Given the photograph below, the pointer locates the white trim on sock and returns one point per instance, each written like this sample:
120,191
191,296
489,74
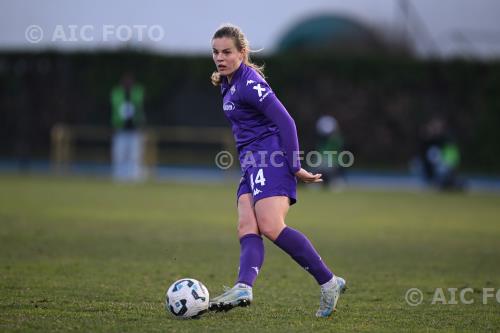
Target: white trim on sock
329,283
242,285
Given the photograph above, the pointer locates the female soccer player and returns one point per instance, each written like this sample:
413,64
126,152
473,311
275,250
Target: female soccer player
267,143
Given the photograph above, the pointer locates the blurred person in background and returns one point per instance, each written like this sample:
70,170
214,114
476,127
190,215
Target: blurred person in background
439,156
127,104
267,188
330,145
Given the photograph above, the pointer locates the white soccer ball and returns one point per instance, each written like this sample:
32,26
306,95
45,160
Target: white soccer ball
187,298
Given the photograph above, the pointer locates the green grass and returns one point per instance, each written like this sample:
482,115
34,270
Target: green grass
89,255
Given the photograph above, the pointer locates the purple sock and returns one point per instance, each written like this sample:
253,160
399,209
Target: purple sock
251,258
302,251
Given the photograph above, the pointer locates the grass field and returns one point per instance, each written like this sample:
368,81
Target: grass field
88,255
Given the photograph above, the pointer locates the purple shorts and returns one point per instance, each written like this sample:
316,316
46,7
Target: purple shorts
264,179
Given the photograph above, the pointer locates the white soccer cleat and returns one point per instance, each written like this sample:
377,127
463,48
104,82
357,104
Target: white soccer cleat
239,295
330,293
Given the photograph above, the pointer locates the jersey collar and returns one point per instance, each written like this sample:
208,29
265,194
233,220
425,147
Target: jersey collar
236,76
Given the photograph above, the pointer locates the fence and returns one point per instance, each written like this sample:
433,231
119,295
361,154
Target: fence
64,140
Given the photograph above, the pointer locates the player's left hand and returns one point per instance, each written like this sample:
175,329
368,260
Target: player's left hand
308,177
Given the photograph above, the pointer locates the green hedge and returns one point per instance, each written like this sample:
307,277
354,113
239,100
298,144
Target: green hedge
380,103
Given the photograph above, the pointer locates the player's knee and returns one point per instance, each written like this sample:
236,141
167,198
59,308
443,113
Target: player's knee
247,226
271,233
271,228
242,225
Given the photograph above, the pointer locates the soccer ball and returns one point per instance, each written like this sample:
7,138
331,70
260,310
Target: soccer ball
187,298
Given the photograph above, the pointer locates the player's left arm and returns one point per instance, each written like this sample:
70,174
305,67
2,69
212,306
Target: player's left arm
265,100
290,141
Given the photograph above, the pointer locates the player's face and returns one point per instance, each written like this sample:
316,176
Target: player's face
226,56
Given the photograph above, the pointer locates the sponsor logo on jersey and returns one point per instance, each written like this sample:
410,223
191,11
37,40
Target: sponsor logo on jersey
228,106
233,90
250,82
259,89
265,95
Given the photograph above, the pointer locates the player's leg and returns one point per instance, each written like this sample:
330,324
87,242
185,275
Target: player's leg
251,258
271,213
247,222
251,244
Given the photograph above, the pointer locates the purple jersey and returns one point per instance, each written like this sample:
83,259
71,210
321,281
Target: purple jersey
259,120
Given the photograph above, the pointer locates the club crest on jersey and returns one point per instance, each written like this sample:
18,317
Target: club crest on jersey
228,106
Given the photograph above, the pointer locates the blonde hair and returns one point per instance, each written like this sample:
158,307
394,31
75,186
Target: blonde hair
241,43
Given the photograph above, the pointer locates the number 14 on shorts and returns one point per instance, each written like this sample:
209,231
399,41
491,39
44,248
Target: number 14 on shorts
259,179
